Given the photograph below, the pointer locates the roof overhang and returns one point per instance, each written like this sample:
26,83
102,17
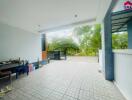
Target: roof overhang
120,20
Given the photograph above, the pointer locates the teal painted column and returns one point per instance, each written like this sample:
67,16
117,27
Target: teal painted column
108,68
107,55
129,29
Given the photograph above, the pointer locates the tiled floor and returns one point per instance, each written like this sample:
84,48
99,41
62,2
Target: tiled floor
75,79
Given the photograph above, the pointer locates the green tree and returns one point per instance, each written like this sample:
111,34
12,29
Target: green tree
120,40
64,44
79,32
96,38
89,38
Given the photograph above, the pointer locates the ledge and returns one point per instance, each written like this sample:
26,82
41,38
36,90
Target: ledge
125,51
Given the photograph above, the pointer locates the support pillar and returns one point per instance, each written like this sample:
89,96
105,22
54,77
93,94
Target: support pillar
107,55
44,47
129,28
108,68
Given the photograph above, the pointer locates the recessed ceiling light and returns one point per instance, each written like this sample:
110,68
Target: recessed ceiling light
75,15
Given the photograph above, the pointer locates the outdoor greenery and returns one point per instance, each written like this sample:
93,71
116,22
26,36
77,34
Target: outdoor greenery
89,38
64,44
120,41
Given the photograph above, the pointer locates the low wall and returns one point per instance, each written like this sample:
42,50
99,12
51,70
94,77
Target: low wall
123,71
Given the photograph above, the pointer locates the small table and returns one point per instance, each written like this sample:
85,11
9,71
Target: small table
9,66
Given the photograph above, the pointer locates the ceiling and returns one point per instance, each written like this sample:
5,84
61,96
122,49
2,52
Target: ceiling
42,15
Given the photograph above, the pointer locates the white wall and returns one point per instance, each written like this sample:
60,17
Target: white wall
15,42
123,72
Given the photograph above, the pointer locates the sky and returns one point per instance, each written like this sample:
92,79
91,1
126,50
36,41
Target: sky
61,34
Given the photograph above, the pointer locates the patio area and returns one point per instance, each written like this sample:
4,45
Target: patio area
77,78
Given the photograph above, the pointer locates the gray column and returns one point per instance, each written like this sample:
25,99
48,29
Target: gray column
43,42
129,27
108,68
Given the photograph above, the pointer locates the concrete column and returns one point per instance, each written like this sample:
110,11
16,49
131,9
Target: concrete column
107,55
43,42
129,28
108,68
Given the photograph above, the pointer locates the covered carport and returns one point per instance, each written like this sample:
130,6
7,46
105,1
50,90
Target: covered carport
22,22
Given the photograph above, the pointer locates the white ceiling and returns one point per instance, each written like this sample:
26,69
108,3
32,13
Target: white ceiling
41,15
